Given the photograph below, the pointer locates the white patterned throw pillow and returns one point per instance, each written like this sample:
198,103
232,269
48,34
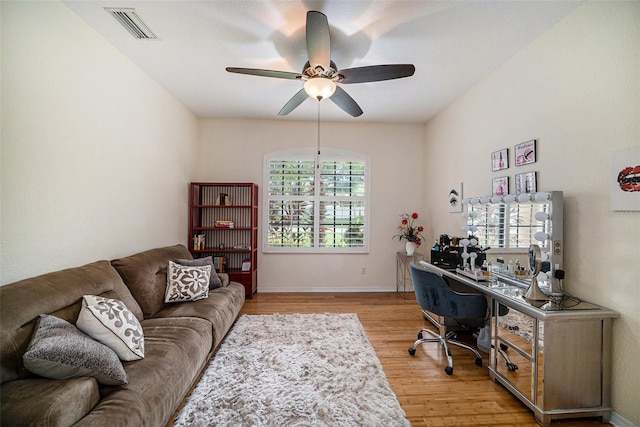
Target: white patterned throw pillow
110,322
187,283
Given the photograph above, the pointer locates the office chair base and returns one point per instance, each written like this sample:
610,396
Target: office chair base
450,338
502,350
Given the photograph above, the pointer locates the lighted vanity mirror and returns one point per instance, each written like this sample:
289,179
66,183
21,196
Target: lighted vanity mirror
515,222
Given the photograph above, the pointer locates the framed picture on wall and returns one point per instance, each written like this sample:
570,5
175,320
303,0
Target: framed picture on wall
525,153
526,182
500,186
500,160
455,197
625,187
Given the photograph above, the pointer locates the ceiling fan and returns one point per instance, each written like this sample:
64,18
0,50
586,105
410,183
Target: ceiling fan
320,74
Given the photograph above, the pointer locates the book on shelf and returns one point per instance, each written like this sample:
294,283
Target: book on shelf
198,242
223,224
220,264
223,199
241,247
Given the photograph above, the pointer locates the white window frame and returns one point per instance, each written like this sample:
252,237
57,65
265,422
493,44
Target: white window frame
326,155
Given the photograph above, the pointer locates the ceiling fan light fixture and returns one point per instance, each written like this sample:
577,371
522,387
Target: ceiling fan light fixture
319,87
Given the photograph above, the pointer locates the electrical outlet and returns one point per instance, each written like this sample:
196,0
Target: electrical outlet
364,270
557,247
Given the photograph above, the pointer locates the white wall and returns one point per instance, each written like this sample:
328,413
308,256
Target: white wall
96,157
232,150
577,91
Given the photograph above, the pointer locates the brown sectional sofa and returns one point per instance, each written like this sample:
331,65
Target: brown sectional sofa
179,340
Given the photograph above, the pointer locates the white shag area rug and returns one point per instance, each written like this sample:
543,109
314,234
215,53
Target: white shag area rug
294,370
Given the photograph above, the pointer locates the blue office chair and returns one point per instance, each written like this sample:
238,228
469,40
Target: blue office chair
434,296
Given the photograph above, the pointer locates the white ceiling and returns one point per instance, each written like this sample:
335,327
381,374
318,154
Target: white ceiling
453,45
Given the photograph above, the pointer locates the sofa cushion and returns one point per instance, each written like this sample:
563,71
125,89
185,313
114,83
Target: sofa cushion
44,402
221,309
59,350
187,283
145,274
214,280
110,322
177,349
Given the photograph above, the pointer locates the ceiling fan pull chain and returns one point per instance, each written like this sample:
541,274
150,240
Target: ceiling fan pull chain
318,161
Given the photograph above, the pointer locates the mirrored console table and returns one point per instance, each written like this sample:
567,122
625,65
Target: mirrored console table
562,369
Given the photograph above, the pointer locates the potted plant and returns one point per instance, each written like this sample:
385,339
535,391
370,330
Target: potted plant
410,232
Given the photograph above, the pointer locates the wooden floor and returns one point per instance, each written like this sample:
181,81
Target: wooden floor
427,394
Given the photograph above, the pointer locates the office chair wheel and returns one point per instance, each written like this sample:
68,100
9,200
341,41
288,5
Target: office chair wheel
449,370
412,351
479,361
420,335
512,366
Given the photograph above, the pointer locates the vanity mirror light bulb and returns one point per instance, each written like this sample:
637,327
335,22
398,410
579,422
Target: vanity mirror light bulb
473,255
466,228
496,199
524,197
466,201
541,236
542,216
475,201
509,198
486,199
465,255
464,242
473,242
541,197
473,229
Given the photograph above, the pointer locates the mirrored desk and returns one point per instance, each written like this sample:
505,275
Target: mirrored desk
563,368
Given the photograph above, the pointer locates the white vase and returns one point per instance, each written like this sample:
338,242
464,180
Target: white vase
411,248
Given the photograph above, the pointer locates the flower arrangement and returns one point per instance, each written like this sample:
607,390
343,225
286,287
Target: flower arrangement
410,231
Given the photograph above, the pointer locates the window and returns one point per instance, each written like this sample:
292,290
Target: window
315,203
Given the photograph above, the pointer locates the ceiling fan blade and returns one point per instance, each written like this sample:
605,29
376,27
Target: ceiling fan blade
265,73
318,39
346,102
294,102
376,73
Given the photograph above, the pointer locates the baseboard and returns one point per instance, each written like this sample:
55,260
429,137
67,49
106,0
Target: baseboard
619,421
327,289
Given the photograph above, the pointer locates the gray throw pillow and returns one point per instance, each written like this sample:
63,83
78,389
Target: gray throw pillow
214,280
58,350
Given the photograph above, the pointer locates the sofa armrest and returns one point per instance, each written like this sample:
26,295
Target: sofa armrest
224,278
48,402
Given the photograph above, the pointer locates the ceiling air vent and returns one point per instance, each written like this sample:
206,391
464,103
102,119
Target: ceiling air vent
132,22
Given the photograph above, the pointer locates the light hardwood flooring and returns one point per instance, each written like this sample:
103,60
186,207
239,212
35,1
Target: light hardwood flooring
427,394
